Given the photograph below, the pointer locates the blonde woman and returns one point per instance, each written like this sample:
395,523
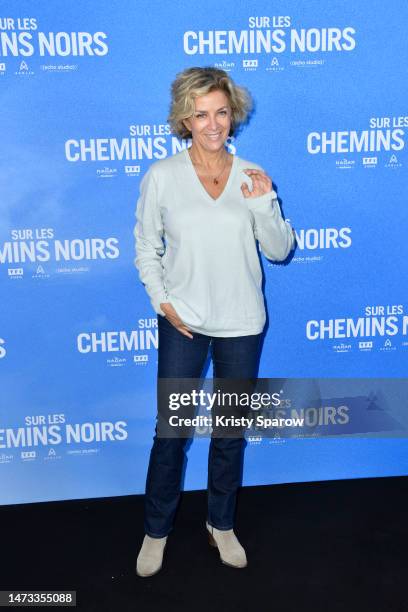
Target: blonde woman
199,217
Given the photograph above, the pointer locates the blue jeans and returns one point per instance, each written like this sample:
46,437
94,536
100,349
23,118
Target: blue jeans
183,357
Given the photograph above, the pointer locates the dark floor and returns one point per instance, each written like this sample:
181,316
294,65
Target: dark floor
332,546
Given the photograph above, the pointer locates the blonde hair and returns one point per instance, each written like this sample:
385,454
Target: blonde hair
199,81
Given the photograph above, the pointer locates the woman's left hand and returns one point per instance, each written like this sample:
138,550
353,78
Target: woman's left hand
261,183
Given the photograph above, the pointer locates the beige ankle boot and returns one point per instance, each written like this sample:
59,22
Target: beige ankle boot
231,551
150,558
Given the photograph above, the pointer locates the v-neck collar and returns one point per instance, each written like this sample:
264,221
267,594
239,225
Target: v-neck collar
201,186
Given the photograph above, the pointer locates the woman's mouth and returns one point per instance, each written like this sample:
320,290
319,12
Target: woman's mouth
214,136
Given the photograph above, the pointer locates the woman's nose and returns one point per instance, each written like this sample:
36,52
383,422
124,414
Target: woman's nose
212,122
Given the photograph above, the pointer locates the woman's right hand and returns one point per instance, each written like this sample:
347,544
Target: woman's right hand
173,318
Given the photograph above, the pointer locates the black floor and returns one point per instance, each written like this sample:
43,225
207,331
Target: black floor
332,546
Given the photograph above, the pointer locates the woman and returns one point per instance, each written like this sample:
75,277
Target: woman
196,231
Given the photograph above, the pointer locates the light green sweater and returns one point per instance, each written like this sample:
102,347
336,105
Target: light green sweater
208,265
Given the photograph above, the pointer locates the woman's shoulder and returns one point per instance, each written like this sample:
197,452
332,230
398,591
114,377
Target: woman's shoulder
167,165
245,163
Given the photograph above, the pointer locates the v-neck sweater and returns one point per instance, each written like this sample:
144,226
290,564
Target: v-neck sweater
200,253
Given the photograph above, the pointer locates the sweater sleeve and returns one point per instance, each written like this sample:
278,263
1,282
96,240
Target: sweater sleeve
149,246
274,234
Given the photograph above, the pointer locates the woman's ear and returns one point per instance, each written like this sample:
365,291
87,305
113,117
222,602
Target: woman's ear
186,123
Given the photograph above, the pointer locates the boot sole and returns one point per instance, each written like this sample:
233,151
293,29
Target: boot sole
148,575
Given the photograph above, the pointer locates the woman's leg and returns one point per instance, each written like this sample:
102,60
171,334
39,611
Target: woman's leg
179,357
233,358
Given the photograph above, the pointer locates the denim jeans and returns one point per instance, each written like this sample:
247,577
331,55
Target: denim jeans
183,357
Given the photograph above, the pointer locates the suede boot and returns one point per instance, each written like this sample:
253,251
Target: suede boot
150,558
231,551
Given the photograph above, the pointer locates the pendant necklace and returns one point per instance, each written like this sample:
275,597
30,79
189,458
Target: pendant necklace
215,178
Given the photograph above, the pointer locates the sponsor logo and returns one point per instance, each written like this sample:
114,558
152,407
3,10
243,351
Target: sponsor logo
341,348
52,455
250,64
254,439
388,346
116,361
23,70
304,260
4,458
370,162
28,455
345,164
276,439
274,66
58,67
132,170
306,63
106,172
83,451
224,65
15,272
71,270
40,272
365,346
393,162
140,359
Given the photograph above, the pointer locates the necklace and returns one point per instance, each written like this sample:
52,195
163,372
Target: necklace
215,178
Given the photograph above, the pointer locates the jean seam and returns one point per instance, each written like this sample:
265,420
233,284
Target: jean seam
151,535
220,528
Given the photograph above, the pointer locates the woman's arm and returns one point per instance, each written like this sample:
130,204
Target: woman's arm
276,236
148,233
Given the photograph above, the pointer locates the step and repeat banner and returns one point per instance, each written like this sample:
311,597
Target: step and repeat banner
85,94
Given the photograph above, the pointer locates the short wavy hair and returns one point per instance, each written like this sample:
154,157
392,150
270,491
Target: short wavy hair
199,81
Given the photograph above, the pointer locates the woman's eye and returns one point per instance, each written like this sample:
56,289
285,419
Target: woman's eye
223,112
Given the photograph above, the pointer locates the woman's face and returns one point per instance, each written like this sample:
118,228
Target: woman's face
211,121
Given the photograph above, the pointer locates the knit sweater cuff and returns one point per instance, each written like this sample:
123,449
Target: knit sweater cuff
263,201
158,299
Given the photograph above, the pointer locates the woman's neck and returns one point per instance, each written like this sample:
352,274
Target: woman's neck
209,160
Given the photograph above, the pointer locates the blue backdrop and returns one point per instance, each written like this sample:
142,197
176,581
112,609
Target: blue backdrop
85,98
